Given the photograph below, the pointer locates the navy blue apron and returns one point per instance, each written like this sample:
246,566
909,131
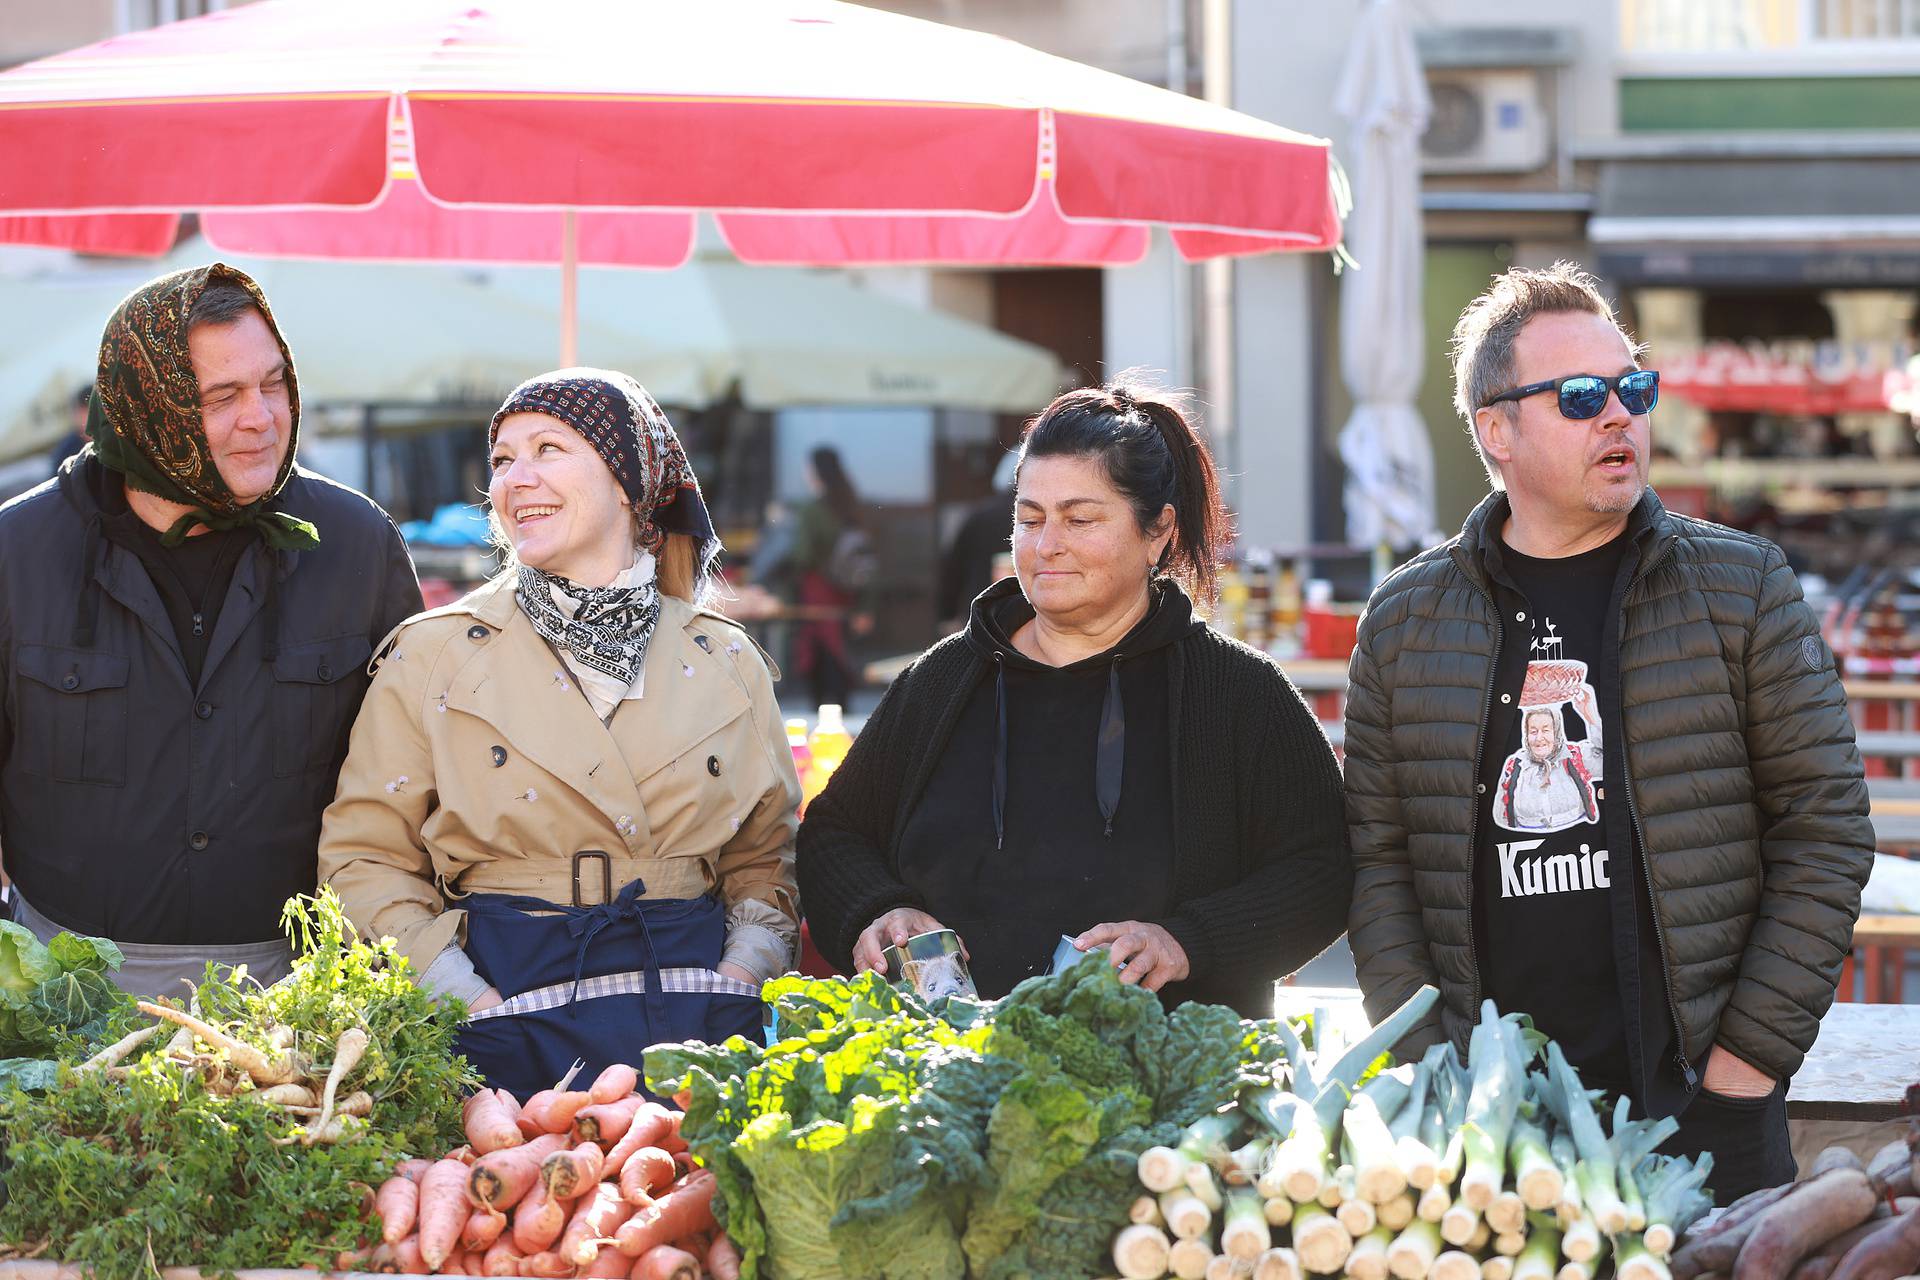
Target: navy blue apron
596,983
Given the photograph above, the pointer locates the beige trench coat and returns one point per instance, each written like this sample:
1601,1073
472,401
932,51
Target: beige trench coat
477,764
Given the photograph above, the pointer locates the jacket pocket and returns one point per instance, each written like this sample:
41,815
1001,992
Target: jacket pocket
73,714
315,696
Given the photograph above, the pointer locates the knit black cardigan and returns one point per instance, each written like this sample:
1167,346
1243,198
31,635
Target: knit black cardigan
1261,877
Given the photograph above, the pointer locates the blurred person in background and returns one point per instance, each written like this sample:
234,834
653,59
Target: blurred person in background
835,568
1088,758
978,544
76,438
569,797
187,617
1679,928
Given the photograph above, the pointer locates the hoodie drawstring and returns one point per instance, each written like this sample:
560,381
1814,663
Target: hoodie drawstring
1110,750
1000,752
87,611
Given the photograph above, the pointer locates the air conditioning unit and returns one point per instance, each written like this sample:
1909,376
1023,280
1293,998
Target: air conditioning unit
1485,121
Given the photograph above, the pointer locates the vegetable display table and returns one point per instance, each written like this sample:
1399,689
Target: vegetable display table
1860,1066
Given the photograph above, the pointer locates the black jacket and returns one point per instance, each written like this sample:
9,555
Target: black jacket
1261,876
134,805
1742,781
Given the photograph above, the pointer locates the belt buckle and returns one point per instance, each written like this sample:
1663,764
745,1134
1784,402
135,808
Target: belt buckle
606,876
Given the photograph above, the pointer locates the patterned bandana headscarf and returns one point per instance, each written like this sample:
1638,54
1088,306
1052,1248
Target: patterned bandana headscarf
145,420
612,625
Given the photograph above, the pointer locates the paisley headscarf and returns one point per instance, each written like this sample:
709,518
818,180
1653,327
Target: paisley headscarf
608,628
145,420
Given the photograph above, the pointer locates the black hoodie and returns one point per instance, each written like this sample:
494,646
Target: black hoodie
1051,809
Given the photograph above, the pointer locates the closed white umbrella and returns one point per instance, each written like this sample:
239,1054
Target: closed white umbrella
1388,454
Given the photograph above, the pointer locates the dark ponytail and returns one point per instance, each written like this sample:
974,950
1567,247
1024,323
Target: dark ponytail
1153,456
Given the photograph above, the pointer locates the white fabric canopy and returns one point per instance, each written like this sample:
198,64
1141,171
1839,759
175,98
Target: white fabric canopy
419,334
1388,454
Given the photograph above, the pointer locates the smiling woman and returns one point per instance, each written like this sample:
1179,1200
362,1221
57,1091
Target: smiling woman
1088,759
578,745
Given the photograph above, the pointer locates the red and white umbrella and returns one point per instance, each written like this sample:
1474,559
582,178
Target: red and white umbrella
595,131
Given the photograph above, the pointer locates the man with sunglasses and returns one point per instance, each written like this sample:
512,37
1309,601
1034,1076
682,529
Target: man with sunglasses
1680,930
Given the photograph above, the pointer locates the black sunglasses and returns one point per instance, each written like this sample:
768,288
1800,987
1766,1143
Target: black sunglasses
1584,395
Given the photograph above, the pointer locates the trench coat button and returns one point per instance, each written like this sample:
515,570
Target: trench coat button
476,632
499,756
325,672
70,681
713,765
199,840
204,710
706,645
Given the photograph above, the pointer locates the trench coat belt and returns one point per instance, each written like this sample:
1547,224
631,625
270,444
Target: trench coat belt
589,878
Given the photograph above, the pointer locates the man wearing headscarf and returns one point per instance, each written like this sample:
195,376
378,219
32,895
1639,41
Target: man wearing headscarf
186,617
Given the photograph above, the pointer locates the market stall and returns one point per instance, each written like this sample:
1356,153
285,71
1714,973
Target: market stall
1074,1128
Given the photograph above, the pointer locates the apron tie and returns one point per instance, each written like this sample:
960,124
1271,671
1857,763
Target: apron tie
585,923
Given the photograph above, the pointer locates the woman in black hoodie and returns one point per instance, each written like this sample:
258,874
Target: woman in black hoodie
1088,759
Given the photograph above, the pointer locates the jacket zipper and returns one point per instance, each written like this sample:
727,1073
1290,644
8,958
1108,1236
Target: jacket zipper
1479,750
1687,1072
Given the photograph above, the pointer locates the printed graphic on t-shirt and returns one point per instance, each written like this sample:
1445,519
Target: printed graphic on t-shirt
1551,781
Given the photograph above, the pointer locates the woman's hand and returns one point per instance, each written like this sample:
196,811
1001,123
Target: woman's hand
1143,953
488,999
892,929
728,969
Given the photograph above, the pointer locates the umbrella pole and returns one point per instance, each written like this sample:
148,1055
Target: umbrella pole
569,290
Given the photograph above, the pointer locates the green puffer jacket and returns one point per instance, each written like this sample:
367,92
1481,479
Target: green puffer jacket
1744,783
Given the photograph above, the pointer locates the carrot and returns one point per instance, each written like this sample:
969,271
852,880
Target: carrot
723,1258
463,1153
353,1260
594,1221
112,1055
397,1202
483,1228
615,1083
488,1124
677,1214
549,1266
412,1170
501,1178
572,1173
553,1110
443,1210
502,1259
608,1264
648,1170
606,1122
408,1258
664,1262
538,1222
651,1123
460,1263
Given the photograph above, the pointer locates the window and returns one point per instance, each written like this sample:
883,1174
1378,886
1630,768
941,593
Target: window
138,15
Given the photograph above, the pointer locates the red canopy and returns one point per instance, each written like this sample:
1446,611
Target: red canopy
815,131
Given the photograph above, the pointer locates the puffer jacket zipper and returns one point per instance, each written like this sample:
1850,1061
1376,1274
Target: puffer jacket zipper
1479,750
1687,1072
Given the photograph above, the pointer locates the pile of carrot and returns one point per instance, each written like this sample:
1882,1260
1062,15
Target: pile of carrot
589,1183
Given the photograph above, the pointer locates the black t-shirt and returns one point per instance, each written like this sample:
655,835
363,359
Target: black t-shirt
1551,878
1058,871
191,578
